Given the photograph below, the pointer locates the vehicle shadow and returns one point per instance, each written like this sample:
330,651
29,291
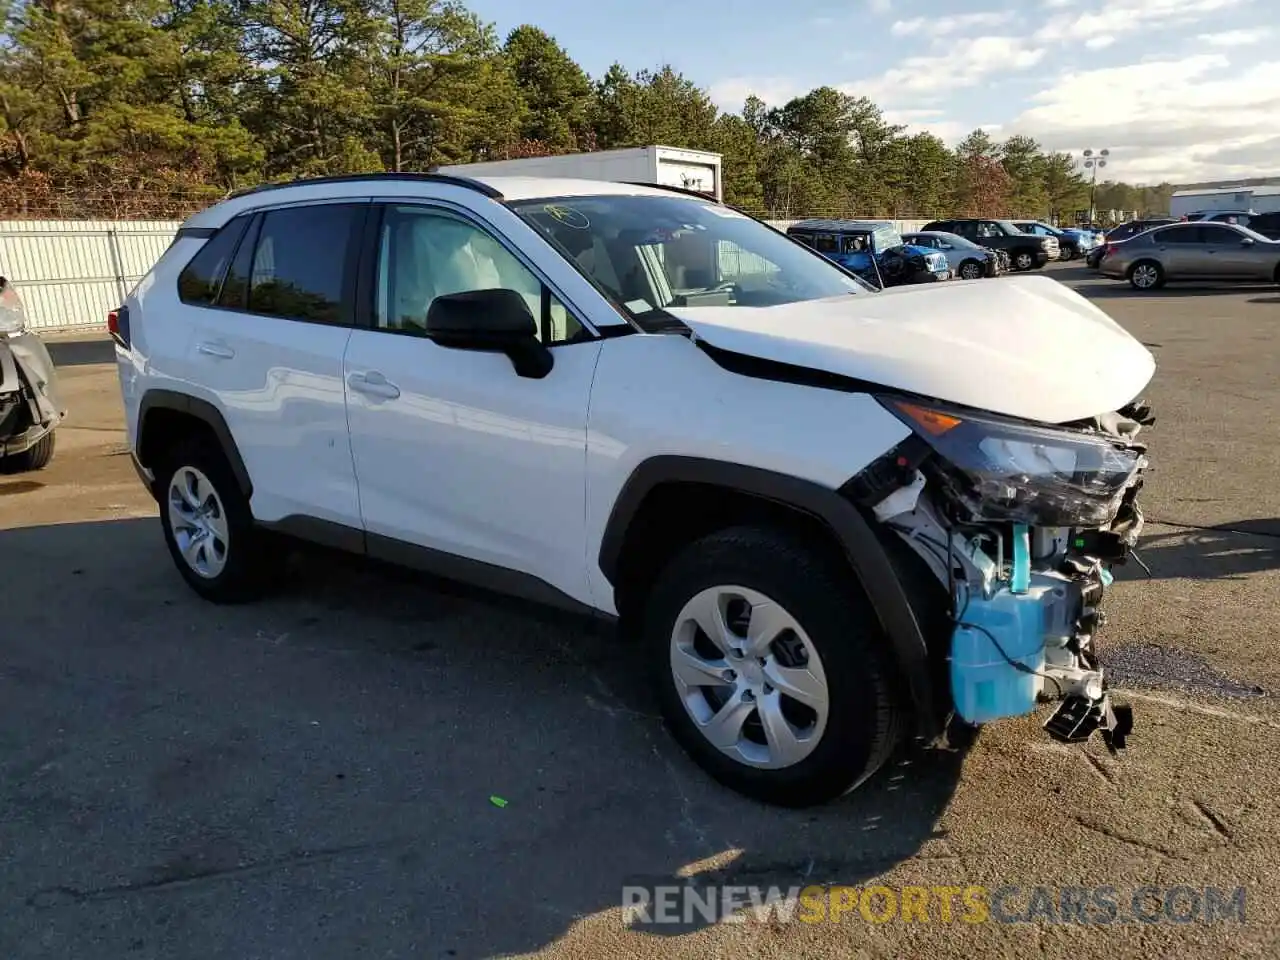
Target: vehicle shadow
1222,552
78,353
368,763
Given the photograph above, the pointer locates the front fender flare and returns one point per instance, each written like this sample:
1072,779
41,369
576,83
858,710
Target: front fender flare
866,555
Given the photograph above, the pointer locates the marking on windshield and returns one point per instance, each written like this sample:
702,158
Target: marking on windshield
570,217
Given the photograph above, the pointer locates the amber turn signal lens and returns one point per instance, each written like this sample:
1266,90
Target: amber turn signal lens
930,421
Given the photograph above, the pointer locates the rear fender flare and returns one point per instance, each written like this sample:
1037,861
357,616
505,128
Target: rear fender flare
866,555
203,411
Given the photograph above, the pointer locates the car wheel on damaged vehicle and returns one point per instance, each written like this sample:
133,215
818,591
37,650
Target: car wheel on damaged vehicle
769,668
35,457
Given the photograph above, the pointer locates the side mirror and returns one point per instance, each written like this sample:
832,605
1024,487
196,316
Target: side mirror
497,321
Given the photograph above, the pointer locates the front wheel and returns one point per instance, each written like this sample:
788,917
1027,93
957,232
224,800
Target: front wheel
1023,261
769,667
970,270
1146,275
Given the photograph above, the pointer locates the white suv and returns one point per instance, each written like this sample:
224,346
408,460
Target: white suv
839,519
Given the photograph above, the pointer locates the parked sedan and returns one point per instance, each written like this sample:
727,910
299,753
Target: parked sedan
967,260
1193,251
1121,233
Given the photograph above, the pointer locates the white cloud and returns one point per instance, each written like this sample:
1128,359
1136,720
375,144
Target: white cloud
1236,38
968,62
941,26
929,121
1187,119
730,94
1119,17
880,6
1100,41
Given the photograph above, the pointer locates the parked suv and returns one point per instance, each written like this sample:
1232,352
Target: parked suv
836,518
1026,251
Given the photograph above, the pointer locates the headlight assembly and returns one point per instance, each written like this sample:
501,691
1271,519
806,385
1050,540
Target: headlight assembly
1014,472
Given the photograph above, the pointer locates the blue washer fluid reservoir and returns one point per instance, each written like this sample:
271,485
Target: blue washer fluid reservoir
984,685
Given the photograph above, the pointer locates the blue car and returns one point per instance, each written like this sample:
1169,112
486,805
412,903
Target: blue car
968,260
873,250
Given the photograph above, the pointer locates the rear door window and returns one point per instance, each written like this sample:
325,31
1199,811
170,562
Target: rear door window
1180,235
1212,233
301,262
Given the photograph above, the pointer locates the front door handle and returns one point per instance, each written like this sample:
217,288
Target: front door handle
219,350
373,384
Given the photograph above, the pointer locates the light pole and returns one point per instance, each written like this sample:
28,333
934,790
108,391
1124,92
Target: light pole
1092,162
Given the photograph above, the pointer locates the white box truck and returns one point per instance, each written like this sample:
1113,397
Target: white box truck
668,166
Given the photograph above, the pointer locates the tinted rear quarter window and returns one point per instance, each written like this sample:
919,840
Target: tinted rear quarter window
202,278
1177,235
299,262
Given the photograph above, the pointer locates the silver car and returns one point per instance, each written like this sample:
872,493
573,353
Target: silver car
1193,251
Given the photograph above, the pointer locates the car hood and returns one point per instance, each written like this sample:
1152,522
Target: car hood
1026,347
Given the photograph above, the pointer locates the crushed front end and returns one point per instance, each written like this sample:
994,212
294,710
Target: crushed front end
1022,524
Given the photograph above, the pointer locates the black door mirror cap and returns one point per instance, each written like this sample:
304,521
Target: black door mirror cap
496,320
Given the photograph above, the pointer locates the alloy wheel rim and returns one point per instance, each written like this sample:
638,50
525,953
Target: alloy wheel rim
199,522
1023,261
1144,276
969,271
749,677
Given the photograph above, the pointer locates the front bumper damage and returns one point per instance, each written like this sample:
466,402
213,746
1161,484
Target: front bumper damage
1027,602
30,402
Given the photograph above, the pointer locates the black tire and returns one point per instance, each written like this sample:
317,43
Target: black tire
1023,261
1136,277
969,270
35,457
250,557
863,719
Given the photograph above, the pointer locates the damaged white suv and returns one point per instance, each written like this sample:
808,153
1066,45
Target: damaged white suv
837,518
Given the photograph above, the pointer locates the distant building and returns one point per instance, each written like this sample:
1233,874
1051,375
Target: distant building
1255,199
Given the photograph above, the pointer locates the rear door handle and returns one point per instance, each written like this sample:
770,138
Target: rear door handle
373,384
219,350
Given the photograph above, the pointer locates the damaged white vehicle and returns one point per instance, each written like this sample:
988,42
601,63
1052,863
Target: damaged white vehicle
839,520
30,405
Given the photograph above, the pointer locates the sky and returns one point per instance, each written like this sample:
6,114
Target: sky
1175,90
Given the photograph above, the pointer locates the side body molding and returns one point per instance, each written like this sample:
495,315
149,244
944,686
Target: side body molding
867,556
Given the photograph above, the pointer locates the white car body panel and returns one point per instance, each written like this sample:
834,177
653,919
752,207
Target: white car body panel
638,412
1027,347
472,459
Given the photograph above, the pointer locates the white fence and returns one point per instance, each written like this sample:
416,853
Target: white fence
72,273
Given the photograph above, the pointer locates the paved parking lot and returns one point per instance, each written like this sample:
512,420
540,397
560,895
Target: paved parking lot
310,777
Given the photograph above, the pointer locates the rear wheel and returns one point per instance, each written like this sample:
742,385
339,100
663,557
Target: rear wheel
769,667
970,270
1146,275
35,457
208,526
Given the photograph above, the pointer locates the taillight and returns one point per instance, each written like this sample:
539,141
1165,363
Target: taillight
118,325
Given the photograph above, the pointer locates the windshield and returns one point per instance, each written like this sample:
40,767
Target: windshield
648,253
887,238
1012,228
957,241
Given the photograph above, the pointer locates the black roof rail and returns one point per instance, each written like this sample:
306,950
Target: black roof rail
466,182
685,190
